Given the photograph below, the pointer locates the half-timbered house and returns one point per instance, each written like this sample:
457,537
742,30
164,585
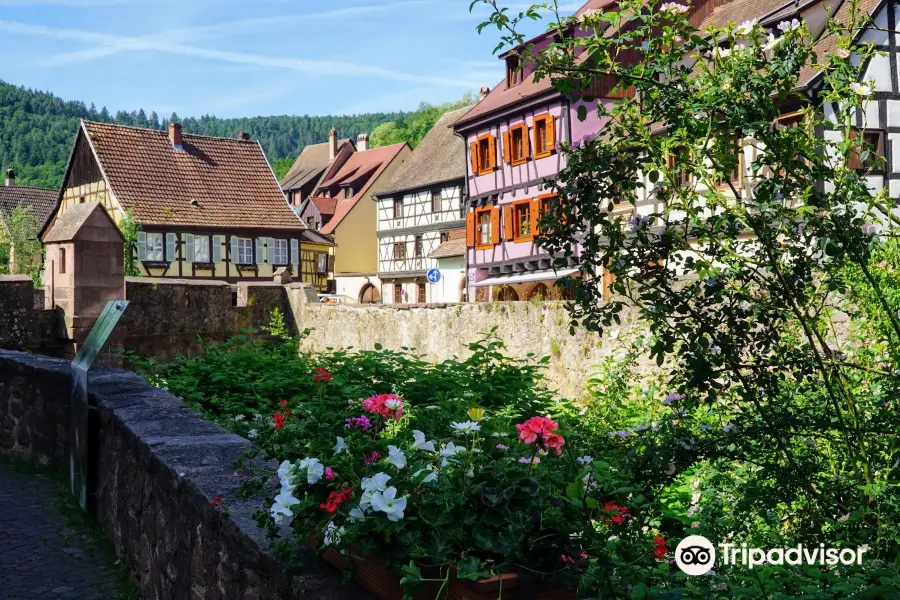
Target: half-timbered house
206,208
314,163
419,209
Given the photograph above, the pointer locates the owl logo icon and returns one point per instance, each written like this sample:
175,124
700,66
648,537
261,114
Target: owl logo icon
695,555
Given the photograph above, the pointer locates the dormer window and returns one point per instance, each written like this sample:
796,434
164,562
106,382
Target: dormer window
514,71
349,192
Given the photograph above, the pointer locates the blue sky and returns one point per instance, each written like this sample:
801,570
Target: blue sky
234,58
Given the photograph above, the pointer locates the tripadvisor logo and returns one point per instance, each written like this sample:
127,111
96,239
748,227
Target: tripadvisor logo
696,555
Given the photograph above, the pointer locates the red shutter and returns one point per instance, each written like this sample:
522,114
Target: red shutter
509,215
470,229
495,225
473,153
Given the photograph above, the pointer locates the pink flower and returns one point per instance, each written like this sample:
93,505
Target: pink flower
501,447
539,431
555,442
526,436
385,405
329,473
567,559
371,458
525,460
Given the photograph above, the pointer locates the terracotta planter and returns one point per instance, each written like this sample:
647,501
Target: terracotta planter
374,577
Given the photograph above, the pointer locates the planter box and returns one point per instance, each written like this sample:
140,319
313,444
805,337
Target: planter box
374,577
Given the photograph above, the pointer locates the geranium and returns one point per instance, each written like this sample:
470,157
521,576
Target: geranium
420,442
396,457
321,375
361,422
329,473
540,431
370,458
216,501
555,442
388,503
336,498
661,550
617,514
385,405
279,420
466,427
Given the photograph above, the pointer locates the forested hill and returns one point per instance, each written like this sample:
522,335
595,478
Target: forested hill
37,130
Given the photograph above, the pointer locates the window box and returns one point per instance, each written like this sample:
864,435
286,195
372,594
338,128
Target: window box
155,264
207,266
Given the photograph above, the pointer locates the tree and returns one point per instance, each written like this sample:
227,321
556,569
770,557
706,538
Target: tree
22,251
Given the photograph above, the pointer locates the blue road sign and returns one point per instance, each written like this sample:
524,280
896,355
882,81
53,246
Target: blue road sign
434,275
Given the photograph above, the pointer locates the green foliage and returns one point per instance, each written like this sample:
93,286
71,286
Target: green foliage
414,126
281,166
129,229
37,130
18,239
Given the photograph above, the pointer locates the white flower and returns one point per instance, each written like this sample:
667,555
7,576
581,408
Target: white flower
450,450
239,418
356,514
844,518
428,478
746,27
388,503
722,52
588,14
394,403
588,482
789,25
862,89
258,417
339,445
584,460
281,509
314,470
466,427
376,483
332,534
771,42
420,443
842,53
287,476
674,7
396,457
715,350
252,433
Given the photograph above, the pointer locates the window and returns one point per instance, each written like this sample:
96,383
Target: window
873,143
483,227
62,260
516,140
321,263
310,222
279,252
201,249
436,201
679,159
244,251
418,247
399,250
398,294
445,236
154,247
514,71
545,204
484,154
522,220
398,208
349,192
420,299
736,176
544,136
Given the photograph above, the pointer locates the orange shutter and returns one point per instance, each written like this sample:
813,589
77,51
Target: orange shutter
506,158
473,152
551,134
495,225
470,229
492,161
526,142
535,215
509,215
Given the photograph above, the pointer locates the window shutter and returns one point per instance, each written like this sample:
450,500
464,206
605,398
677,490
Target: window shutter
189,247
260,250
551,134
217,248
535,215
509,215
473,153
526,142
142,245
331,263
495,225
235,257
170,247
295,252
470,229
492,160
506,141
270,259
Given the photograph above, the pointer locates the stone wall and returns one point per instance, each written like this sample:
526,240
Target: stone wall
21,325
159,466
439,332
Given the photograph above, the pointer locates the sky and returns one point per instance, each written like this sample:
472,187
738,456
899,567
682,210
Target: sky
244,58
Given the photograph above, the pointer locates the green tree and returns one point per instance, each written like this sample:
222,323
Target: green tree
20,250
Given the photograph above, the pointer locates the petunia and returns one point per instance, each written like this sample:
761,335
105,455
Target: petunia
332,534
356,514
314,470
420,442
432,476
252,433
287,476
396,457
375,483
281,509
449,451
340,445
584,460
388,503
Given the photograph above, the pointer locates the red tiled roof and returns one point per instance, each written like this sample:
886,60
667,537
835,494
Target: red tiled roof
230,179
373,161
454,247
41,201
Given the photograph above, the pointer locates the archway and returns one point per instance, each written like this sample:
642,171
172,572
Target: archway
540,292
507,294
369,295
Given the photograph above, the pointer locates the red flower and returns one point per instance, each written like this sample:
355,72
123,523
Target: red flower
336,498
660,551
567,559
279,420
617,513
539,430
216,501
321,375
386,405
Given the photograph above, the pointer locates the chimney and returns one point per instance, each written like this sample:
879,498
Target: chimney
175,135
332,143
483,93
10,177
243,136
362,142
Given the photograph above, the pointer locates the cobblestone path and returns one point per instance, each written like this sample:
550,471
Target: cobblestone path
41,557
